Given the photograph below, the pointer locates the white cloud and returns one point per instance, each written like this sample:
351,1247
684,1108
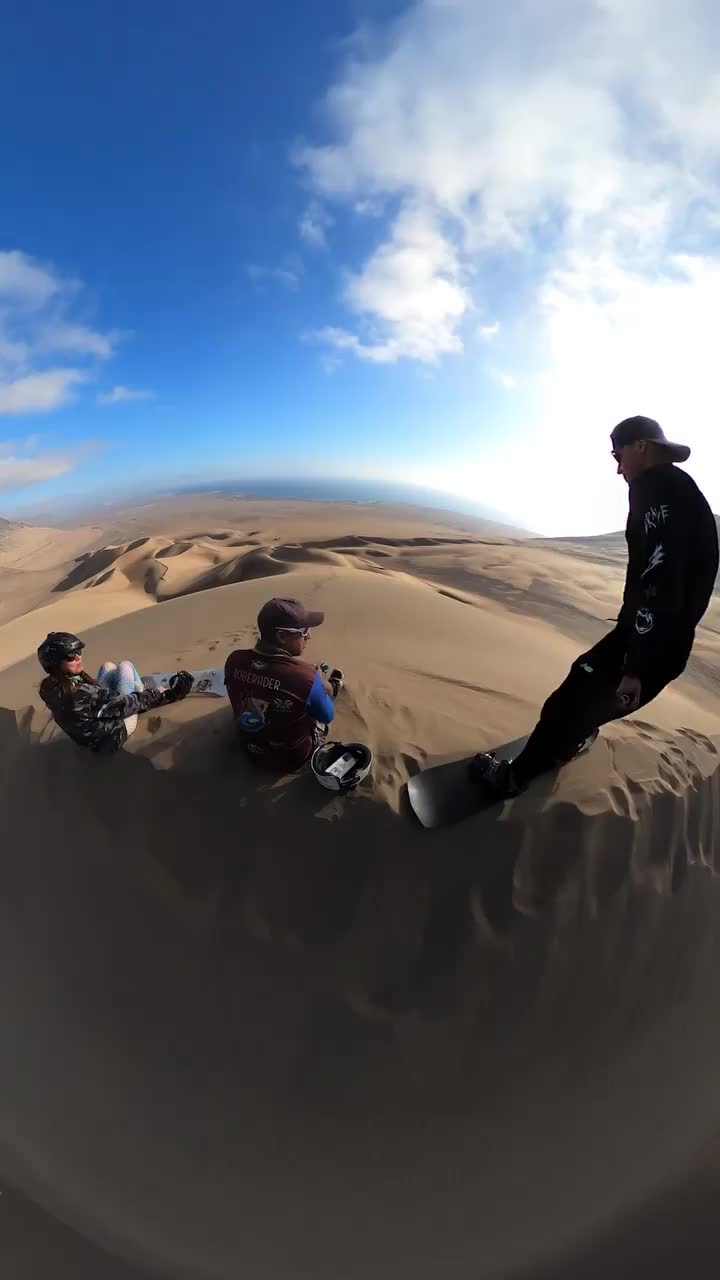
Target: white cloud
22,465
575,146
378,353
43,318
368,208
411,294
13,354
39,392
486,332
76,339
506,380
287,276
314,224
24,280
122,395
38,321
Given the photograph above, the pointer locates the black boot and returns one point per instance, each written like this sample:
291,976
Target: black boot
495,776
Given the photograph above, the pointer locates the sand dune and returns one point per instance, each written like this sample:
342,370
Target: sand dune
36,549
265,518
154,548
31,561
291,1033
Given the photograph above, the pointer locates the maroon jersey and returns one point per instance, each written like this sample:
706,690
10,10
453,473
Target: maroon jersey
277,701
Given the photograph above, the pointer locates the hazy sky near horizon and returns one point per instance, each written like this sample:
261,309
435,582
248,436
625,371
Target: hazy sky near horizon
449,243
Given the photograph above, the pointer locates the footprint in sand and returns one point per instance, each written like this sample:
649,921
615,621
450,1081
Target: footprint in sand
646,732
413,763
699,740
620,800
667,773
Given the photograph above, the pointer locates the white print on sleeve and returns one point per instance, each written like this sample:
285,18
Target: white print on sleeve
644,621
656,559
656,516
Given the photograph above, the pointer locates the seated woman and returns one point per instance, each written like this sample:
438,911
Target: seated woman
94,712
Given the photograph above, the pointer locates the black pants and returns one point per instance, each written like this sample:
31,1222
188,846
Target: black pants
586,699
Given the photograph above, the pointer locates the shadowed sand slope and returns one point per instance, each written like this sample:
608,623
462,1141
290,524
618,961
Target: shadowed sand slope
256,1028
275,1023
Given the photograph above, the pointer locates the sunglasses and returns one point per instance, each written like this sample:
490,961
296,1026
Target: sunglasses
297,631
617,453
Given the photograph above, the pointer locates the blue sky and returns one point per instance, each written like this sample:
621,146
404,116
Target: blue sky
441,243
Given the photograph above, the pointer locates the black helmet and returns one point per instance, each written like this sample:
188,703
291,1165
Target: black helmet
56,646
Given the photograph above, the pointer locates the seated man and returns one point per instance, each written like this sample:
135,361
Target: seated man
281,704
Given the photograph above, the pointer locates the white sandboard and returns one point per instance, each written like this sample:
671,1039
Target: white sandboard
211,681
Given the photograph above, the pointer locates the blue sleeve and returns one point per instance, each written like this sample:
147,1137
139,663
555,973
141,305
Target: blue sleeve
319,704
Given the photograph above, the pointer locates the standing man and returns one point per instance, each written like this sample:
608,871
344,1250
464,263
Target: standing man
672,566
281,704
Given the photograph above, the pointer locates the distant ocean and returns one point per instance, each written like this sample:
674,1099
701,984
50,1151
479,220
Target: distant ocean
354,491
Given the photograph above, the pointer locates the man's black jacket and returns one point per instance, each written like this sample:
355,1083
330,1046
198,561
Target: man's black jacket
672,567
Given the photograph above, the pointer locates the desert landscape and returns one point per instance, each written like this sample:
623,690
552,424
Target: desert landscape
273,1021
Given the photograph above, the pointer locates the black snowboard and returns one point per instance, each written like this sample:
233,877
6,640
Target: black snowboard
445,794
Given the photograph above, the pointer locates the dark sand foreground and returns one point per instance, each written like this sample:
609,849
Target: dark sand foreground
255,1030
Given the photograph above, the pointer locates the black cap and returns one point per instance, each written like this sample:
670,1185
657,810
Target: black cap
639,428
280,614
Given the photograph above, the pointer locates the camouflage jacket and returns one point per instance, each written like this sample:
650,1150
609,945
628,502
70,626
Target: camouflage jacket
93,716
